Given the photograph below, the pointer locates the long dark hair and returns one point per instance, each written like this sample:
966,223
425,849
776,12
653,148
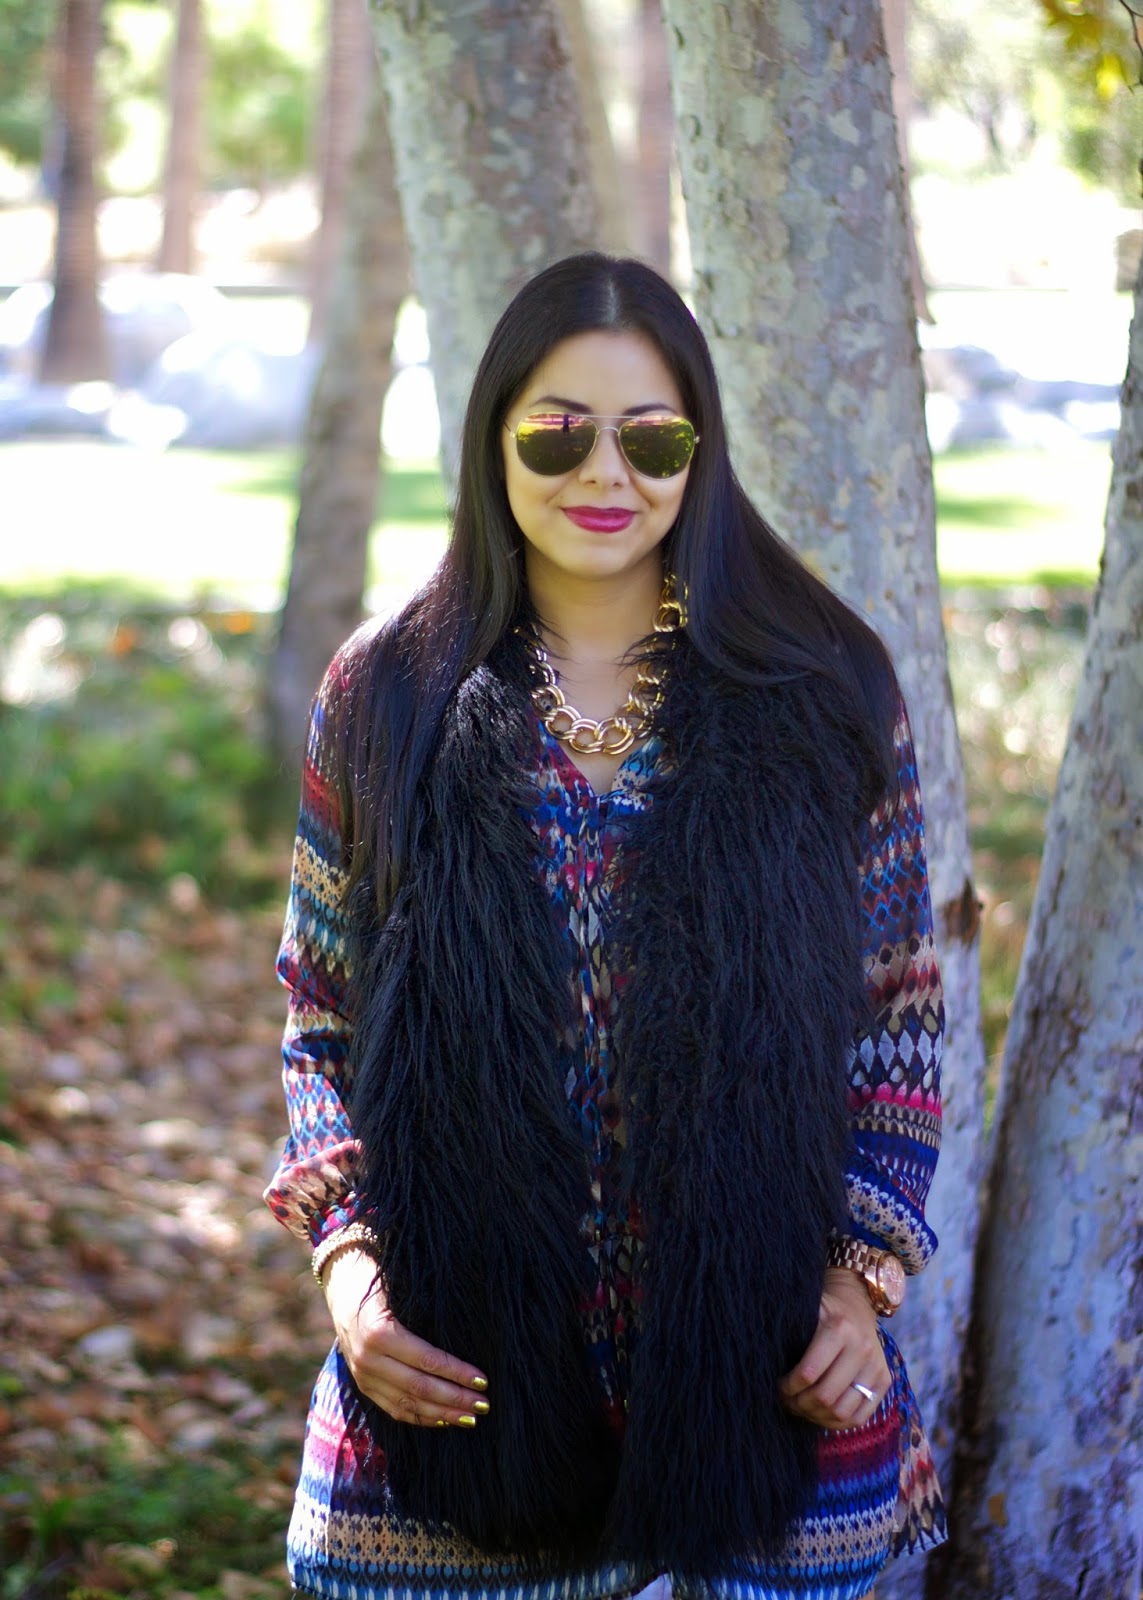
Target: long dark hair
755,610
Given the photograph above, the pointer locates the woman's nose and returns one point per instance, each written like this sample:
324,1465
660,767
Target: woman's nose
605,463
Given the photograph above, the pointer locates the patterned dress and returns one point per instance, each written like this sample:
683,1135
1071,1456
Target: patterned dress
877,1495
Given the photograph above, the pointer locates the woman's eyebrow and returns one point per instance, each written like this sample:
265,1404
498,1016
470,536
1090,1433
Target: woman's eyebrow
577,405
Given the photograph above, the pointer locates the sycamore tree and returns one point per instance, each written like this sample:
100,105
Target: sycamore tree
350,68
181,176
491,189
341,452
488,194
796,209
1050,1491
75,343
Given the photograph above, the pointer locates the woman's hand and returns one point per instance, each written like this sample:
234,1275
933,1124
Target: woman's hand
409,1379
845,1350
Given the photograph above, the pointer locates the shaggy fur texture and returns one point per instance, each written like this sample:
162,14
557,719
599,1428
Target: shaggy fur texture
474,1174
736,928
738,922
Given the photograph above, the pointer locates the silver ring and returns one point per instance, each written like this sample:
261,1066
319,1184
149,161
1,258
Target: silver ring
861,1389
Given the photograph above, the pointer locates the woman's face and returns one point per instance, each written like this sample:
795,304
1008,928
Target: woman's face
602,519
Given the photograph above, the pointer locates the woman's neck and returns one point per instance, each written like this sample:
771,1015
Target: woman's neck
595,620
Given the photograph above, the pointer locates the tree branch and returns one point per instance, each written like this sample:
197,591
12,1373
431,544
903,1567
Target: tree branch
1136,18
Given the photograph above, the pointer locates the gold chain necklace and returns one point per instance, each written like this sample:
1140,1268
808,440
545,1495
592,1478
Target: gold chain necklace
615,734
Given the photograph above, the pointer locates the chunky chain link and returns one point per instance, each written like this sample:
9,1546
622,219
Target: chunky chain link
615,734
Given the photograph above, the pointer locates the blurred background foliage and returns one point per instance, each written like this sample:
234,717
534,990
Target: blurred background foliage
25,32
1027,71
262,82
146,829
1022,72
133,669
132,727
132,739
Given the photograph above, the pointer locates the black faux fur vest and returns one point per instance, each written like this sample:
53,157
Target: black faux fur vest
737,925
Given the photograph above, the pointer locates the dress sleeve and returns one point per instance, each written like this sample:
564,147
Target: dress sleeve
312,1192
894,1090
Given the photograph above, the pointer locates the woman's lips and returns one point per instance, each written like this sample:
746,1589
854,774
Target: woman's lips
599,519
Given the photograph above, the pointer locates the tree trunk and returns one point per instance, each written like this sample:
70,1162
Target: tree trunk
895,14
341,460
75,345
655,139
1052,1503
615,233
794,203
488,143
181,179
350,68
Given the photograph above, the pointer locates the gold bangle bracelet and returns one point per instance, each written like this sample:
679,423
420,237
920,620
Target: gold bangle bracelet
354,1233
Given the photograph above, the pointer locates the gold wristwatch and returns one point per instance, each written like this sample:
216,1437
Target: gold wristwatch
883,1274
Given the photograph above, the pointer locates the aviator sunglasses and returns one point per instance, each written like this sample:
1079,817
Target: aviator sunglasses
551,442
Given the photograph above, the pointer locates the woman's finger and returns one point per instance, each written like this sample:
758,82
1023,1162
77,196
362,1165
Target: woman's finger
851,1408
856,1363
823,1350
400,1400
825,1416
397,1371
403,1406
392,1339
832,1391
412,1389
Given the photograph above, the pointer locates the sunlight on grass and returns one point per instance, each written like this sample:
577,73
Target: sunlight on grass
1009,516
189,523
198,523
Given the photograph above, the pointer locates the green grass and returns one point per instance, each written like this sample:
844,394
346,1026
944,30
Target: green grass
188,524
1014,670
196,524
1021,516
135,1529
1014,659
134,746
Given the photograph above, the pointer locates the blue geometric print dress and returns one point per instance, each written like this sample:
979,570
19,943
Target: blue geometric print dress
877,1493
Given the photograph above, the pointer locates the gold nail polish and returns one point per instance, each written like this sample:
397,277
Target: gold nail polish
441,1423
479,1383
466,1421
481,1407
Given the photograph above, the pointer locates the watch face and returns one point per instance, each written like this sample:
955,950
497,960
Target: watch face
891,1279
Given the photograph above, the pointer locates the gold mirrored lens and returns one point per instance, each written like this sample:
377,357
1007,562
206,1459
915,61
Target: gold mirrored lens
657,447
553,444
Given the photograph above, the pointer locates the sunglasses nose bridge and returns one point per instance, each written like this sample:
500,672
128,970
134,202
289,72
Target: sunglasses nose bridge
593,457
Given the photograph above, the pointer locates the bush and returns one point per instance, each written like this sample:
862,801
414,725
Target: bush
133,740
117,1527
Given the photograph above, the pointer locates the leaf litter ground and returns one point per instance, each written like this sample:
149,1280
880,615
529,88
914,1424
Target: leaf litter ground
160,1331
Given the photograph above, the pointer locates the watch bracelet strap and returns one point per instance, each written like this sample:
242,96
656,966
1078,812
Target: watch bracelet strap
353,1234
864,1259
844,1251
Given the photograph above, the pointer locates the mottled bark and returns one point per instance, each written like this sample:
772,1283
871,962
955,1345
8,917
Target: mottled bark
350,67
181,178
1052,1505
342,451
487,139
895,14
655,136
612,199
794,202
75,345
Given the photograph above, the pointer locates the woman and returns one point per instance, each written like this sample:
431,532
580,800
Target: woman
614,1041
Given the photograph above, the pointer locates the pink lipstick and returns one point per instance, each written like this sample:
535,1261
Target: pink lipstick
599,519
